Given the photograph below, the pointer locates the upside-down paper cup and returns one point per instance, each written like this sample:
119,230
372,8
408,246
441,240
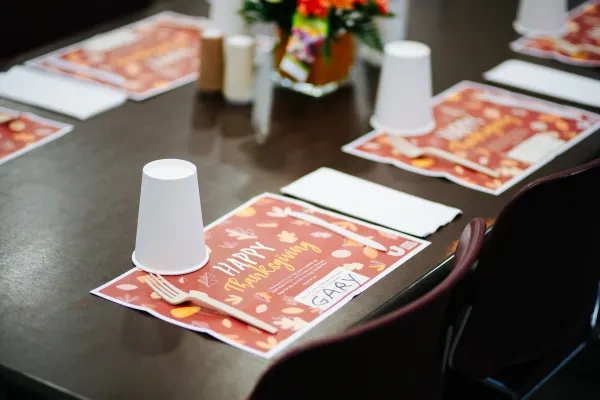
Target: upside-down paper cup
170,232
224,15
541,17
403,104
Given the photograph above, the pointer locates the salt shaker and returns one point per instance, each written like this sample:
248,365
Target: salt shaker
238,82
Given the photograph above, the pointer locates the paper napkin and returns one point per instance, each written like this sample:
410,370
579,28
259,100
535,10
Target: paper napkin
372,202
548,81
64,95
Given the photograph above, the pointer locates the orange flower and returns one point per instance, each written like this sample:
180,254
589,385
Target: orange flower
344,4
383,5
317,8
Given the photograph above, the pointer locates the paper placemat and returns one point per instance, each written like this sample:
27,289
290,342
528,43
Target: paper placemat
486,125
23,132
146,58
579,46
282,270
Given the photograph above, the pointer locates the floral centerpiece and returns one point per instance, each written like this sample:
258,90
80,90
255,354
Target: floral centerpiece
316,50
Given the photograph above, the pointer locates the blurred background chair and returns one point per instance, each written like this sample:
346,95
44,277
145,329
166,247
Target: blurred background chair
532,300
400,355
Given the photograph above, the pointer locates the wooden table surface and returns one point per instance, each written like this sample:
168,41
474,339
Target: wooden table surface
68,213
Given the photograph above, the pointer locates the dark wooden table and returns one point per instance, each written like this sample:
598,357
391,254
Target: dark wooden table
68,214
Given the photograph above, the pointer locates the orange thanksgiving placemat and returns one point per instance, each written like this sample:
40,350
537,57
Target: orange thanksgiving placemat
580,45
507,132
284,271
146,58
23,132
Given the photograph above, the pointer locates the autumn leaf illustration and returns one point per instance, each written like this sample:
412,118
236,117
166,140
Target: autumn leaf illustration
155,296
234,300
262,296
261,308
370,252
292,310
241,233
127,298
353,266
184,312
141,279
291,323
290,301
254,330
267,224
287,237
235,338
229,245
17,126
226,323
322,235
246,212
378,265
24,137
269,344
126,287
278,212
423,162
341,253
43,131
495,184
561,125
208,279
351,243
371,146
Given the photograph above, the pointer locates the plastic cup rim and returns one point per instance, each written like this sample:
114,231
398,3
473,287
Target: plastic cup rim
535,32
147,169
182,271
421,131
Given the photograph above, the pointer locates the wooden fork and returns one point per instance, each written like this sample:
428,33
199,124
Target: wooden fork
174,295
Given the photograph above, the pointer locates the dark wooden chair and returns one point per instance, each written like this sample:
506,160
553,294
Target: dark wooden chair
399,355
531,300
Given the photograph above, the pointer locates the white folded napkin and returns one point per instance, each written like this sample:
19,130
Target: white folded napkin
371,202
57,93
548,81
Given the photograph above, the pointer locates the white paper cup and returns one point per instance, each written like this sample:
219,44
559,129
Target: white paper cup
170,232
225,16
403,104
541,17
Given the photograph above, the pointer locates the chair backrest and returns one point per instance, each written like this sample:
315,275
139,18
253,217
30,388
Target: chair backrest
399,354
537,278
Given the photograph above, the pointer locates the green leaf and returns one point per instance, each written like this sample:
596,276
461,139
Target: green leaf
327,50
